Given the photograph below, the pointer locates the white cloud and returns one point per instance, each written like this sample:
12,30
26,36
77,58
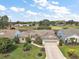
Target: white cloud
31,13
59,9
2,8
42,3
54,2
17,9
53,7
24,1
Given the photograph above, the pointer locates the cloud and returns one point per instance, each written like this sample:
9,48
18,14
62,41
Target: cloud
2,8
16,9
59,9
54,2
42,3
24,1
31,13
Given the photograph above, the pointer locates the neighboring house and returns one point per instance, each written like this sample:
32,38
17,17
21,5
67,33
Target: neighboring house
16,25
69,35
9,33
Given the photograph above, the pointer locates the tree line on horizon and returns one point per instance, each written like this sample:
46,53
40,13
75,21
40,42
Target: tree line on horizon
47,22
4,22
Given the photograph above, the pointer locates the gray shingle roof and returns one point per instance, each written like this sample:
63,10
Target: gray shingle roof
7,33
70,32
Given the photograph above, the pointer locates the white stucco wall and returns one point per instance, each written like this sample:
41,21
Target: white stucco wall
73,36
22,40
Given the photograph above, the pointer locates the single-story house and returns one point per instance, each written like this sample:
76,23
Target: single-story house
69,35
44,34
16,25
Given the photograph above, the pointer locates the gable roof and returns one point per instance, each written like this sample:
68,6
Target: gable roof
70,32
7,33
49,34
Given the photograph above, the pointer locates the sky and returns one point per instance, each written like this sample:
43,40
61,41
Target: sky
37,10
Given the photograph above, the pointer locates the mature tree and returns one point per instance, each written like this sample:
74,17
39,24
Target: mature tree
4,21
5,45
45,22
70,22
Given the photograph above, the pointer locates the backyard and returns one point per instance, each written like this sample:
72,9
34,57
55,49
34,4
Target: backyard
18,53
65,49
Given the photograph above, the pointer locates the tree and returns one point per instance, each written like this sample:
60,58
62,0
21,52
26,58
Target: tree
5,45
16,39
70,22
38,40
28,40
4,21
45,22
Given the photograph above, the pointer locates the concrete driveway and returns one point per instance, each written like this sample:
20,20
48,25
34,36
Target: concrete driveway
52,50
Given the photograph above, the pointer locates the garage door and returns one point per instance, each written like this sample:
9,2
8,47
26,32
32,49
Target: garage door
50,41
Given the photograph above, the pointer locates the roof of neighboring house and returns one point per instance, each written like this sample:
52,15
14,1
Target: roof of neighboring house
7,33
70,32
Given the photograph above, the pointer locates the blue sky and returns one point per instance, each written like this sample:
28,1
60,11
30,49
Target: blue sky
36,10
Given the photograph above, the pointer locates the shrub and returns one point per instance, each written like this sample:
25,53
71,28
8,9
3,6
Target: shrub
60,43
38,40
28,40
71,52
40,54
6,45
43,49
27,47
16,39
74,56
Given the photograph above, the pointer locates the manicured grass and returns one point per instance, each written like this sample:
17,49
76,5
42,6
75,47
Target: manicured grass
25,27
64,49
63,27
56,27
18,53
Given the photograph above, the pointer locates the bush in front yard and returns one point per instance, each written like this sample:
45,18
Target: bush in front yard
40,54
16,39
28,40
38,40
27,47
6,45
43,49
71,52
60,42
74,56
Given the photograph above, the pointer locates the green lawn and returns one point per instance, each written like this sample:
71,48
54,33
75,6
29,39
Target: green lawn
64,49
56,27
63,27
18,53
25,27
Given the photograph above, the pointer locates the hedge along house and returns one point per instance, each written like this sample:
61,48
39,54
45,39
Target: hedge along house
69,35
